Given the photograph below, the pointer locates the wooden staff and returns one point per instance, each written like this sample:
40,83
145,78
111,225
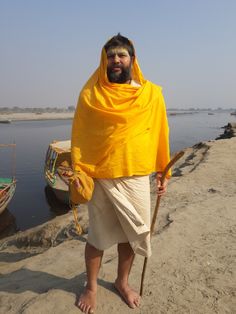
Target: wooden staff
154,218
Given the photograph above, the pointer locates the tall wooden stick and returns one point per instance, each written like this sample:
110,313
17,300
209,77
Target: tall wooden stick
154,218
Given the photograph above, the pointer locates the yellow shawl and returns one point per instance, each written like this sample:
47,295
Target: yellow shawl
119,129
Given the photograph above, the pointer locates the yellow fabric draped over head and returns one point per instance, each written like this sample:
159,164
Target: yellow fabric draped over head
119,129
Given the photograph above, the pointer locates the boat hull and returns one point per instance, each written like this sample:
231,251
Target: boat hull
4,201
57,166
62,196
5,121
59,188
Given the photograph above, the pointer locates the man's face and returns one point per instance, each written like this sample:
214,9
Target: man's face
119,65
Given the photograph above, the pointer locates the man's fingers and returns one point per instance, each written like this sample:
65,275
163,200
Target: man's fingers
161,190
161,193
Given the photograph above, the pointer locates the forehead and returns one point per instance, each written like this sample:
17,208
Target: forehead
117,50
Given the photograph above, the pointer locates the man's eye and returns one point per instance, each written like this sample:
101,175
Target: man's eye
120,55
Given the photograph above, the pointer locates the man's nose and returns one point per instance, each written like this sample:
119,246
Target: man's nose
116,59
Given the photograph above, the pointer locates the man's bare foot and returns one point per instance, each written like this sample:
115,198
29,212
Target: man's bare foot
87,301
131,297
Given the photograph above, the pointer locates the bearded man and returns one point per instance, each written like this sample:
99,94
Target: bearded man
119,137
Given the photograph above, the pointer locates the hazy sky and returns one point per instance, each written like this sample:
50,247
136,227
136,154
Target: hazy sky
49,48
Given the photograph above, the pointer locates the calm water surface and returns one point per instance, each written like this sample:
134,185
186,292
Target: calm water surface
32,204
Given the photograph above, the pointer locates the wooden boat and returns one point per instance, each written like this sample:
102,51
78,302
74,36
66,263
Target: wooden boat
7,190
6,121
58,169
7,185
233,113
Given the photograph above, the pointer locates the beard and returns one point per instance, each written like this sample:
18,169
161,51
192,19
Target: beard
120,77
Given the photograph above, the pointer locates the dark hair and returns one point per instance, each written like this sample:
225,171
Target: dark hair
120,41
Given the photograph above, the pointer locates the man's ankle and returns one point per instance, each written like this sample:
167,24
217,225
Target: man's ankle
121,282
92,287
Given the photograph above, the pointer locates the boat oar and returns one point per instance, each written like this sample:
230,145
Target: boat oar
154,218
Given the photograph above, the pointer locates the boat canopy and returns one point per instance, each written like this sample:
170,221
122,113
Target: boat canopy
58,155
5,180
61,146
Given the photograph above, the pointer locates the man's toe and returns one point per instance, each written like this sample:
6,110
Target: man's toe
132,304
83,307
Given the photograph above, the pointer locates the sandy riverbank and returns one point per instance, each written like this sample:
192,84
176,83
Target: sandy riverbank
192,269
35,116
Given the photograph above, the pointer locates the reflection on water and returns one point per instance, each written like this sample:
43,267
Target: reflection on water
34,204
54,204
7,224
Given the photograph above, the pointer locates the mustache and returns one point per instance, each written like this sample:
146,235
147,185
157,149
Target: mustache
116,66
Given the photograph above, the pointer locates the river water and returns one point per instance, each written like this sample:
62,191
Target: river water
33,203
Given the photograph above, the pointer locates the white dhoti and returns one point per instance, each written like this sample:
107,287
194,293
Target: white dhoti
119,212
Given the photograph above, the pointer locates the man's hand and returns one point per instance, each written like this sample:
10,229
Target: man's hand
161,189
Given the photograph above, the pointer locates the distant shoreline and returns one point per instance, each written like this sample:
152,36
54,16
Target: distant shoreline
31,116
36,116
